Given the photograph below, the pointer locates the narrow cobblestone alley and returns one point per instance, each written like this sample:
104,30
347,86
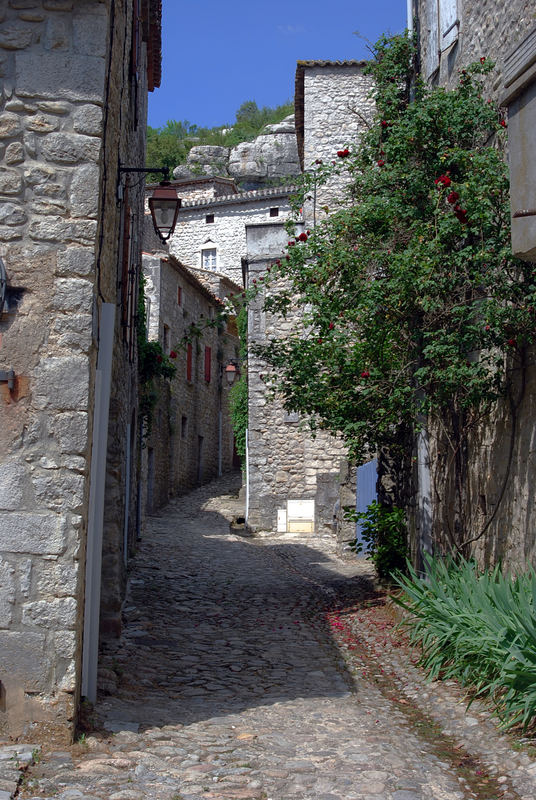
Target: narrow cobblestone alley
260,668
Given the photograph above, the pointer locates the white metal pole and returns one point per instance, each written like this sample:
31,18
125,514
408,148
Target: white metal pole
247,475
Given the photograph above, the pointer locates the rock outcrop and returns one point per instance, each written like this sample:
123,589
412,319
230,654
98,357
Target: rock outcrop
269,159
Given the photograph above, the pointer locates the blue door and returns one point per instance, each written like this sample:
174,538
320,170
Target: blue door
367,476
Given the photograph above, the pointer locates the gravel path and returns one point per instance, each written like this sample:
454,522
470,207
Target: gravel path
251,669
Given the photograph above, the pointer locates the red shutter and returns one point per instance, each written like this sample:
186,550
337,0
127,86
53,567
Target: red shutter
189,363
208,363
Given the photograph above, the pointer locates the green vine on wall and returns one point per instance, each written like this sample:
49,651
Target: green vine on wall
153,363
412,308
238,397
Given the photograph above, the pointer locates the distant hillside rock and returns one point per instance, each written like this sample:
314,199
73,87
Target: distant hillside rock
268,159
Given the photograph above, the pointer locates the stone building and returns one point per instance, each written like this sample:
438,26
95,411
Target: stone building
333,104
451,35
210,235
75,77
191,439
293,479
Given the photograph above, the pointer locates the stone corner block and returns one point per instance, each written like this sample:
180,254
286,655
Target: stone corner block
31,532
23,661
62,383
60,75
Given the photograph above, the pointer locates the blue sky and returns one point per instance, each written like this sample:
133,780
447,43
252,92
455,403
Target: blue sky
219,53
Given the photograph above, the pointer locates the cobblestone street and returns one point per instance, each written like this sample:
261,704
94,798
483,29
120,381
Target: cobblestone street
267,668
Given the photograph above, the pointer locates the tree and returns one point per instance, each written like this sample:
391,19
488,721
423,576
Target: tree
412,305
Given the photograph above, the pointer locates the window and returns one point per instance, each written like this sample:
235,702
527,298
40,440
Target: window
274,212
209,219
179,295
189,362
442,32
184,427
208,258
208,363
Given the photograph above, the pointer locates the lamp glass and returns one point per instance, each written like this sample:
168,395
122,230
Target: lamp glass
231,374
164,206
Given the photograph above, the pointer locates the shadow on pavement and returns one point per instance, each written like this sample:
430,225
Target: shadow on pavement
215,625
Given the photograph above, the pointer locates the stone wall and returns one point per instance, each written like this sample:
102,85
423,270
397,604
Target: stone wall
227,233
51,143
65,83
499,500
191,439
488,28
284,462
333,105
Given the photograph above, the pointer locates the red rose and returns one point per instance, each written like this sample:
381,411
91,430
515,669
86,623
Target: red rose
365,374
291,244
512,342
384,123
331,326
461,214
173,354
444,180
302,237
380,162
159,359
320,340
254,280
487,328
482,59
318,161
452,197
502,123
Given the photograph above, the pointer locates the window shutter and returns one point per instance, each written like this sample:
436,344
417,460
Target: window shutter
431,60
208,363
189,363
448,23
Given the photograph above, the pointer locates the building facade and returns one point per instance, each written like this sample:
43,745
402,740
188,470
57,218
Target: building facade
502,463
73,109
190,439
210,235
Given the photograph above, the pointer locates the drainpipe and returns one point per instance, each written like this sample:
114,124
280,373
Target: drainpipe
409,15
127,497
220,445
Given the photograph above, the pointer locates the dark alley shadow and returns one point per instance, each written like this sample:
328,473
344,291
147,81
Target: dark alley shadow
215,625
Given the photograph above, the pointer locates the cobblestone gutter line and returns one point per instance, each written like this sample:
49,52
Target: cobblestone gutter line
15,759
374,650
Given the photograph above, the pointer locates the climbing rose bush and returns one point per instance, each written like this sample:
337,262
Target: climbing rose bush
410,304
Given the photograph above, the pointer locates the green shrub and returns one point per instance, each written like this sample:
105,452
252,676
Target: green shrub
384,535
478,627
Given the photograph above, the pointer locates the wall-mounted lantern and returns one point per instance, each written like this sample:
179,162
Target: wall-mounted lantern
232,373
164,204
